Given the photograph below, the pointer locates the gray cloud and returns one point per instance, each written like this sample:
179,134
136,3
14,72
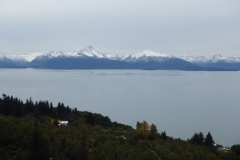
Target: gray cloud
121,27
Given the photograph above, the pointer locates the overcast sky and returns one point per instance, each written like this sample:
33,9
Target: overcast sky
174,27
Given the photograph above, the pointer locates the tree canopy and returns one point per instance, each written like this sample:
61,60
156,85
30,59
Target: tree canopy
28,131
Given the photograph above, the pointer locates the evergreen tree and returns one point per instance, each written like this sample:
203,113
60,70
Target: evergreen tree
51,110
197,139
83,149
153,129
39,145
194,139
208,140
236,149
90,119
163,135
200,138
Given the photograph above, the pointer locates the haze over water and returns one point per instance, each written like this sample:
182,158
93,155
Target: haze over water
178,102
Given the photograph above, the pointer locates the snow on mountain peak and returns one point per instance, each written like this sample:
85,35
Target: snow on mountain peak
31,56
111,56
91,52
2,55
148,53
40,55
15,58
146,56
187,58
209,59
125,57
53,54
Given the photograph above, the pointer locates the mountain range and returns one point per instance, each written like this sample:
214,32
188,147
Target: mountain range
89,58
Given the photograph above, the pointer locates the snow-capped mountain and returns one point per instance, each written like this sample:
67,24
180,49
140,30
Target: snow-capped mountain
32,56
18,58
2,56
6,61
215,61
88,52
7,58
91,52
146,56
89,58
111,56
210,59
47,56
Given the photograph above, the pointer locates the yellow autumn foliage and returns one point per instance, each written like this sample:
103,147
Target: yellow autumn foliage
53,121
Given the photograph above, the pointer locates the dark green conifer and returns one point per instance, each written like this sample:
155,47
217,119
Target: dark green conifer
209,140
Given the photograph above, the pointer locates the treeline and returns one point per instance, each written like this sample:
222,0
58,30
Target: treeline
12,106
199,139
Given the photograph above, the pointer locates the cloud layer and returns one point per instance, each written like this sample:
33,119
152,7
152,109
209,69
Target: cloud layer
121,27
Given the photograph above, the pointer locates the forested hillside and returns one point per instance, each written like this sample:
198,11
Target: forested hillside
32,131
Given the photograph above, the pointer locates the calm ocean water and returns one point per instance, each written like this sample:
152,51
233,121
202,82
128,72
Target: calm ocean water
178,102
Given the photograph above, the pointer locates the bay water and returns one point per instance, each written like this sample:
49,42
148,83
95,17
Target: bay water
178,102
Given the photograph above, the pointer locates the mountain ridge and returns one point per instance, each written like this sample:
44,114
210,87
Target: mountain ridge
146,59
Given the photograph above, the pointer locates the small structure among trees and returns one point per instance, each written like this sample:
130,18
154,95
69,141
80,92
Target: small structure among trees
63,123
58,122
